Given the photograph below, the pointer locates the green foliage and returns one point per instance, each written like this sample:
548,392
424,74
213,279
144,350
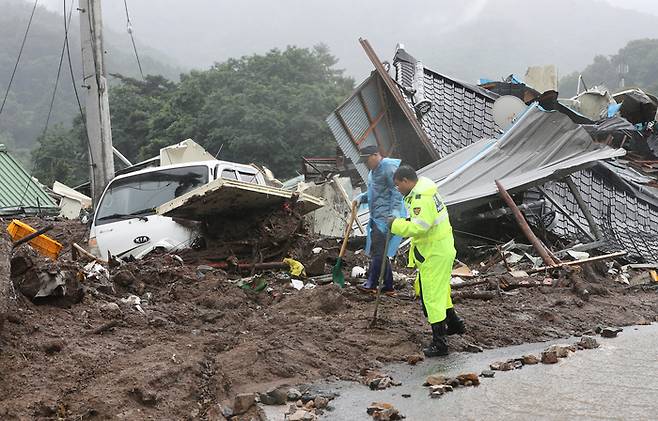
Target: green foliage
267,109
62,155
641,57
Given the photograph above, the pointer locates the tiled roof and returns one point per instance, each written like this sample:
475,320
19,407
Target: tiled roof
461,113
626,221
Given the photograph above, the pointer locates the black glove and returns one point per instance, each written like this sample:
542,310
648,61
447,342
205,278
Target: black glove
389,221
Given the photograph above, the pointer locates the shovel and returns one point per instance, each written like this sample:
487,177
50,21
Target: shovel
381,276
337,272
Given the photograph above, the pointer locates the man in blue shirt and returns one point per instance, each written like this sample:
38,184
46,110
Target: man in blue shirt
384,202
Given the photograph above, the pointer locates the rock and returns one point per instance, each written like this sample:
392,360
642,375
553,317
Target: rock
587,342
562,351
405,395
469,377
124,278
530,359
488,374
383,412
278,396
110,310
214,413
473,348
502,366
243,402
227,411
300,415
434,379
294,394
549,357
414,359
54,346
309,405
443,388
610,332
321,402
453,381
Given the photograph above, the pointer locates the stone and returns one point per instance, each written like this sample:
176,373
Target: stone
124,278
110,310
610,332
443,388
277,396
414,359
502,366
54,346
405,395
300,415
214,413
562,351
434,379
321,402
243,402
488,374
549,357
473,348
294,394
383,412
471,378
587,342
530,359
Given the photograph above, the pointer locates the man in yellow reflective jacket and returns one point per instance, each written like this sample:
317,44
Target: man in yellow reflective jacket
432,253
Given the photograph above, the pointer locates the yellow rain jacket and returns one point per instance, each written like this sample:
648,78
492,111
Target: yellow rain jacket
432,249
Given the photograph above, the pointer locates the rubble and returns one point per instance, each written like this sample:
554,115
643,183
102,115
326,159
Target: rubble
381,411
610,332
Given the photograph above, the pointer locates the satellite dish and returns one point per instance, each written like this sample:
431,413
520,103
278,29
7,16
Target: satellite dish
506,109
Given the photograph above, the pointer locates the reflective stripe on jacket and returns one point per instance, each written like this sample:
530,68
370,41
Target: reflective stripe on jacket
427,224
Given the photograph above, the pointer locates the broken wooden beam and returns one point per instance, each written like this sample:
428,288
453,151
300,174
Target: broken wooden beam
580,262
474,295
523,224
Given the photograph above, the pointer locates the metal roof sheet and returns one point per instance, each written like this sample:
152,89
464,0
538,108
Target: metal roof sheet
18,191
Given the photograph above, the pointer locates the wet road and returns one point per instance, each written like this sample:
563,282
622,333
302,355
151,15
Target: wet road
618,381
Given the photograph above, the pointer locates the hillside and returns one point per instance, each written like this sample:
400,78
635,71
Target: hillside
24,116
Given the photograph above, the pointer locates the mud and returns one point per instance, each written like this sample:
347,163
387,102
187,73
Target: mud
201,339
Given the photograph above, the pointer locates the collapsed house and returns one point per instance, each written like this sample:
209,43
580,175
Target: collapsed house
571,170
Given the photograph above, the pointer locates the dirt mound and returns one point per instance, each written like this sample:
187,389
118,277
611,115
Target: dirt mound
168,339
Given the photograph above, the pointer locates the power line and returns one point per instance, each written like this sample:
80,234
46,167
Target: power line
129,25
18,59
52,100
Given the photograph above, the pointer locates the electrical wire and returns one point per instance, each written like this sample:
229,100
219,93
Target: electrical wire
129,26
18,59
52,101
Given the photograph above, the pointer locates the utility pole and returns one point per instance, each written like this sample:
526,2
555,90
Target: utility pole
97,104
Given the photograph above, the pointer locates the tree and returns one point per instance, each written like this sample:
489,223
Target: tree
268,109
641,57
62,155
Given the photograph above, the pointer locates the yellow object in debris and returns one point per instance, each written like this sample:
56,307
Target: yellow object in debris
654,275
43,244
296,268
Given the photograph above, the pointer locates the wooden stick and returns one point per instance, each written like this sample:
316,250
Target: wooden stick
348,230
85,253
579,262
523,224
32,236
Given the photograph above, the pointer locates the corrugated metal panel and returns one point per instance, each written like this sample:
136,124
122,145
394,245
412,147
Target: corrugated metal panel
356,119
18,191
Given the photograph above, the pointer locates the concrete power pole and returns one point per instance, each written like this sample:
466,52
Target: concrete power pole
97,104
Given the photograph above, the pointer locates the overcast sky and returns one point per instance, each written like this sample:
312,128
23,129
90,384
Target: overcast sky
197,33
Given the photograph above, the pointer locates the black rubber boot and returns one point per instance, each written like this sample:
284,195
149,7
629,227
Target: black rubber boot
439,346
455,323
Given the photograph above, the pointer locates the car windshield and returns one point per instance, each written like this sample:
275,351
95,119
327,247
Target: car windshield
142,193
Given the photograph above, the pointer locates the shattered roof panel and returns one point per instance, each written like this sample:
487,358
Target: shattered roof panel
18,192
461,113
539,146
627,222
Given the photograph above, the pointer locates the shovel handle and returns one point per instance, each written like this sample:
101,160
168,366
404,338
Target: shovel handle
348,230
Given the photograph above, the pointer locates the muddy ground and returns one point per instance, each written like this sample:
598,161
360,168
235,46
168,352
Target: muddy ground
201,339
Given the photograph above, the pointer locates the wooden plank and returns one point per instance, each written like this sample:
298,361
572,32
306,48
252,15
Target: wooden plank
580,262
393,89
